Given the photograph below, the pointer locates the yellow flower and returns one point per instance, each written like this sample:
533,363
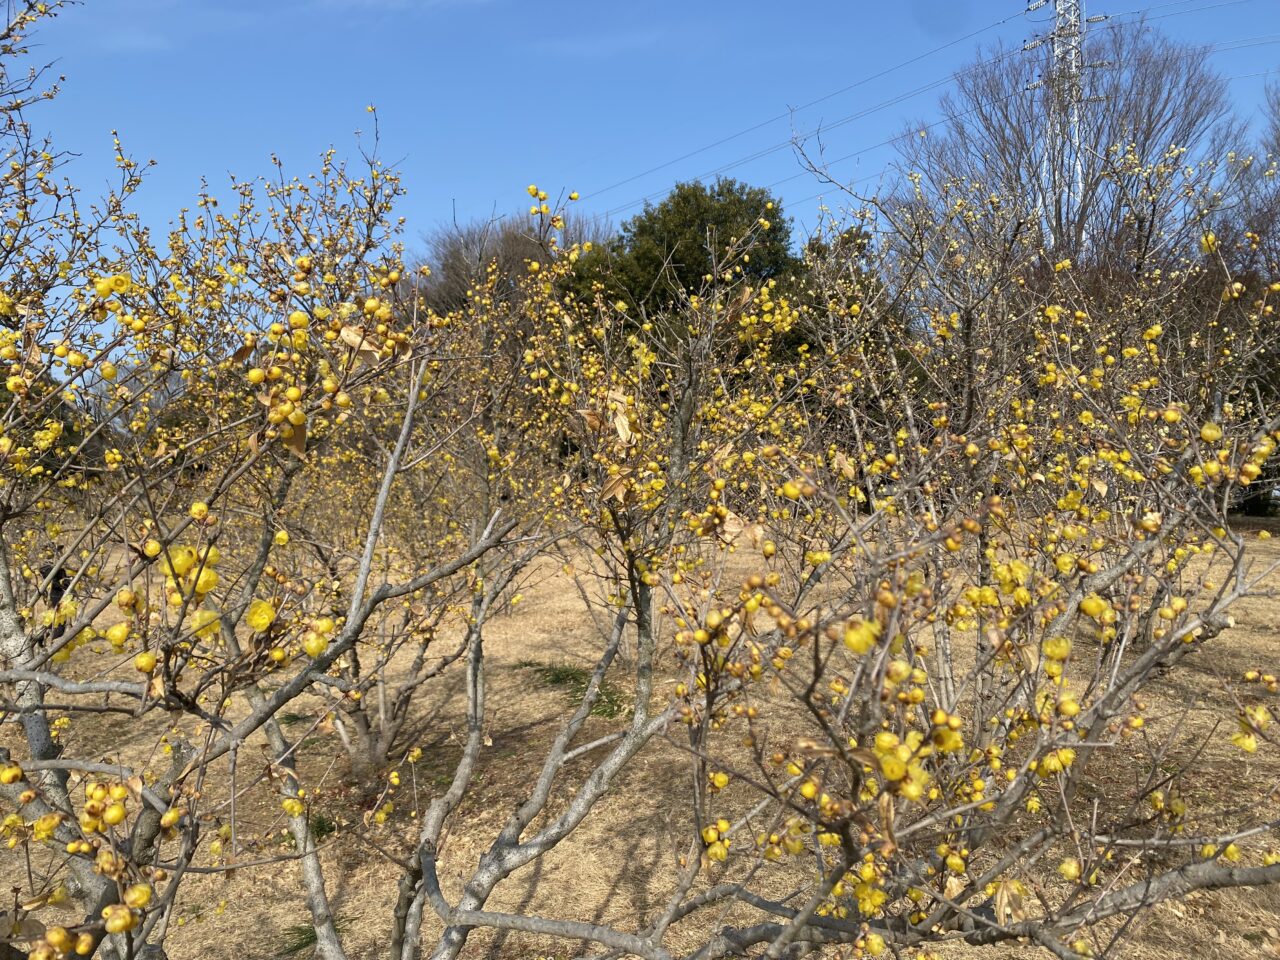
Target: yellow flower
1057,648
138,895
119,918
178,563
205,624
314,643
1245,740
861,636
1093,606
260,616
892,768
207,580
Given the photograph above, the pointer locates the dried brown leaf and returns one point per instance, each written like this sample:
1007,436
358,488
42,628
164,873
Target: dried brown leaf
297,441
28,928
616,487
623,426
593,419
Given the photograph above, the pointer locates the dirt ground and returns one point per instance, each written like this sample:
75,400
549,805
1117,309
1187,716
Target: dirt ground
618,866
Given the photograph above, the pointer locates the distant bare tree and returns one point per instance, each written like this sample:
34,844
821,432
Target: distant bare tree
1152,109
460,254
1271,114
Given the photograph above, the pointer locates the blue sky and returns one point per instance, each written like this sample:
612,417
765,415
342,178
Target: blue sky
477,98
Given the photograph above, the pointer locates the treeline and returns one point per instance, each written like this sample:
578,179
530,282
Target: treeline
1168,175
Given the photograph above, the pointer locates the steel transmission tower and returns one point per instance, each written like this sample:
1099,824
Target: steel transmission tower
1062,162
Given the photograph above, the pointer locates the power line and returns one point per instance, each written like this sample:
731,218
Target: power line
949,118
1117,23
805,106
874,108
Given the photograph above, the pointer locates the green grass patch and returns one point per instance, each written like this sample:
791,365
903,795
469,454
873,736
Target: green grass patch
302,938
573,681
322,826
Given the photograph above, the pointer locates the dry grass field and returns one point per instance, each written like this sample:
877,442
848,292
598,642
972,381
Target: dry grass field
619,865
720,574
